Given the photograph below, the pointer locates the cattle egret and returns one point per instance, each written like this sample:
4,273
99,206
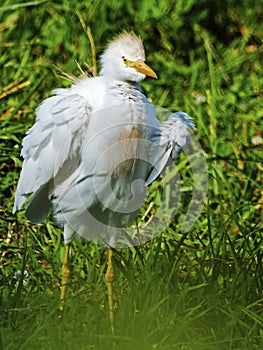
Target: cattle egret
101,127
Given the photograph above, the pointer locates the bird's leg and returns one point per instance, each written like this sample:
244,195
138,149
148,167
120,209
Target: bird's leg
109,280
65,277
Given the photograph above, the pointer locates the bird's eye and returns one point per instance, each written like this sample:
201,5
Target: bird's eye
124,60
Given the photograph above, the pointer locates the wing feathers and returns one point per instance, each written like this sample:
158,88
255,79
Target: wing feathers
38,206
54,138
169,141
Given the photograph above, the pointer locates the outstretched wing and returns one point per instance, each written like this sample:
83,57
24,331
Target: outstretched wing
54,139
172,136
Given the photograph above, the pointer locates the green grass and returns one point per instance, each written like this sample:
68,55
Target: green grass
196,290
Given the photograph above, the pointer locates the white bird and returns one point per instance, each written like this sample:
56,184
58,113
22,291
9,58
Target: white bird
94,149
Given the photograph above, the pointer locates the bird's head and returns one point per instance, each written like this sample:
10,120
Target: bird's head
124,59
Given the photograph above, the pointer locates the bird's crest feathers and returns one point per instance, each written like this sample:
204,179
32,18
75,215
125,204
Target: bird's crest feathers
128,41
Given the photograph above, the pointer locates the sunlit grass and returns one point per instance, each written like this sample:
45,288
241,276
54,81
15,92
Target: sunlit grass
198,290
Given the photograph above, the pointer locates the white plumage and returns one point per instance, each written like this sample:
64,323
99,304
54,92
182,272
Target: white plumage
96,146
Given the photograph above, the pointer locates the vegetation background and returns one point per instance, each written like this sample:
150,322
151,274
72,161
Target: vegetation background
200,290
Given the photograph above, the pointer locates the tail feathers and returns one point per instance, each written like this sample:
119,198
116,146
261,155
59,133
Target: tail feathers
39,205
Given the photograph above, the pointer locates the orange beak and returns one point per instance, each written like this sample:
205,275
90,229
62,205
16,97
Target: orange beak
142,67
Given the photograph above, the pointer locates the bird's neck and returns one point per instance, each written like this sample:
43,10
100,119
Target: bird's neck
122,83
127,89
